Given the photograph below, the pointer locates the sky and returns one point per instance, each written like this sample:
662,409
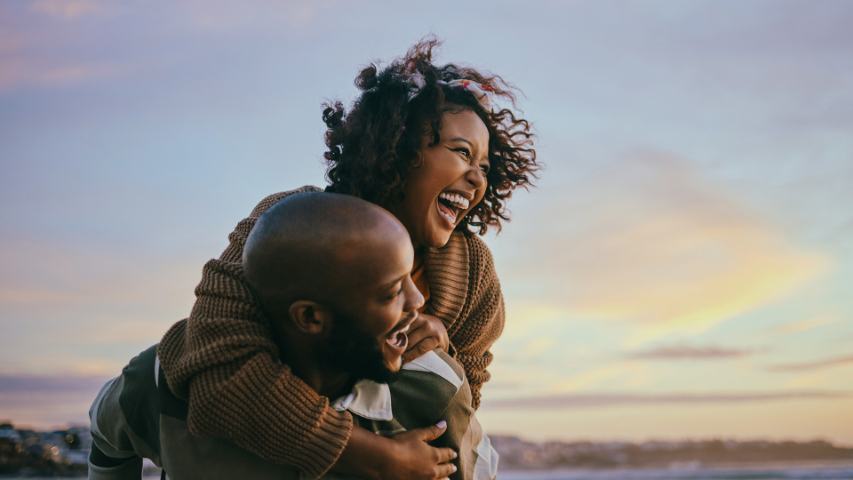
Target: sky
681,269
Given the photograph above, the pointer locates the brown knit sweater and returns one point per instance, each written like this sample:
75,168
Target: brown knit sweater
223,359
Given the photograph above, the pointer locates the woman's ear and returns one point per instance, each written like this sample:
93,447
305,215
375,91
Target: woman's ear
309,317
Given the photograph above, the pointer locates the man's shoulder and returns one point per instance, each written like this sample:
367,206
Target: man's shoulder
440,364
426,388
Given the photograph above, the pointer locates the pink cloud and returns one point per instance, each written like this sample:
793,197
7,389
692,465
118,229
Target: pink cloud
815,365
687,352
67,9
22,72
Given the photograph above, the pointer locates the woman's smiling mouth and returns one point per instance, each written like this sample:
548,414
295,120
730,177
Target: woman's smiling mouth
450,206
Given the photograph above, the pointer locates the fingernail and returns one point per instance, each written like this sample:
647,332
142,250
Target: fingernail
454,467
454,456
441,424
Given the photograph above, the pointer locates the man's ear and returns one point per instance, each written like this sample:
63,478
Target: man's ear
309,317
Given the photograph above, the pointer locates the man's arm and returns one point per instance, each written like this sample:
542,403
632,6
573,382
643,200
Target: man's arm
434,386
123,421
112,456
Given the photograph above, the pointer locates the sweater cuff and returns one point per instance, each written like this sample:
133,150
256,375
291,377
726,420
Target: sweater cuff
326,443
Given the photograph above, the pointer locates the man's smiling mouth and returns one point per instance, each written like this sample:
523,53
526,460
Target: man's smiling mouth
398,339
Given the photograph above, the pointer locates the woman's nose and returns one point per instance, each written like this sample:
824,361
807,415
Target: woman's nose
476,177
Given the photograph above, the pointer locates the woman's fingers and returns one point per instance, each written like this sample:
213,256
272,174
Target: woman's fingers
428,434
426,334
423,346
417,334
446,454
444,470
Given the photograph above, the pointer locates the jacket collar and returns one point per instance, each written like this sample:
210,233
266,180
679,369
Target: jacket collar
372,400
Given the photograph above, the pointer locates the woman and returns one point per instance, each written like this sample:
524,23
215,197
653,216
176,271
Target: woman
424,142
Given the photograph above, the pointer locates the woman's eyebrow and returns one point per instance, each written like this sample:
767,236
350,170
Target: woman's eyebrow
462,139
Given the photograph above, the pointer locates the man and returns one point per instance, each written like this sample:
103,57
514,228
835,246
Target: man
332,274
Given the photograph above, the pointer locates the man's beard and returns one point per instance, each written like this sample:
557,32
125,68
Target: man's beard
352,351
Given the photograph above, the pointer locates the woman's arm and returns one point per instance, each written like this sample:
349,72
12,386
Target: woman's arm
224,361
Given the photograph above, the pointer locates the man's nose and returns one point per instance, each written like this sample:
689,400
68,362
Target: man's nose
414,298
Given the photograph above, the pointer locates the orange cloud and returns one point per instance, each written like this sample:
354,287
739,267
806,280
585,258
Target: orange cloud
653,242
807,324
51,278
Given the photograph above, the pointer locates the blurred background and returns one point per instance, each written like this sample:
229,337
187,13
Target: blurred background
682,269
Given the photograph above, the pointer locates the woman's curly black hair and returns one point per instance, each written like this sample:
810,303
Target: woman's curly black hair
372,148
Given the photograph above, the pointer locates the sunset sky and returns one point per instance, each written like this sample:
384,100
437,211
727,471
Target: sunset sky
682,269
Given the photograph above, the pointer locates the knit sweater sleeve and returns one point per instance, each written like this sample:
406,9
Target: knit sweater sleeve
482,318
224,361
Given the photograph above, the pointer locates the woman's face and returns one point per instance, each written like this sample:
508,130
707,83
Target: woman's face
449,181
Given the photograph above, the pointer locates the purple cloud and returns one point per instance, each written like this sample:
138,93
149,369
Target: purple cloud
59,384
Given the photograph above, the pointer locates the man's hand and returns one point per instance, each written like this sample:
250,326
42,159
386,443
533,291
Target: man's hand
406,456
427,334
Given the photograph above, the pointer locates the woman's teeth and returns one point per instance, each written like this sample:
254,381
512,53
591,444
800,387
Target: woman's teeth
448,213
455,200
450,205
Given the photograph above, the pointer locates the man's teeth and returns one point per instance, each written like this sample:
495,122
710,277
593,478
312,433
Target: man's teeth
455,199
399,338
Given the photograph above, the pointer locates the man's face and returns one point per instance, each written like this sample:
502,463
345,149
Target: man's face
348,349
368,337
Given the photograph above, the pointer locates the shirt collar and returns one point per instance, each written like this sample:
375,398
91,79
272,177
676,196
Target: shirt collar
368,399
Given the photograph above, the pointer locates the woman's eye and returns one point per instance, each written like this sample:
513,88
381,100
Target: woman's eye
395,294
485,168
465,152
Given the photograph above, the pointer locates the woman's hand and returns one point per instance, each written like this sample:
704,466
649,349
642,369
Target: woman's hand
427,334
414,458
406,456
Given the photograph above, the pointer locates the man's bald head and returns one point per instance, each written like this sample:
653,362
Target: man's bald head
311,246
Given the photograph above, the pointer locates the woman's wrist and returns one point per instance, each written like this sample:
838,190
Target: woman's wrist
366,454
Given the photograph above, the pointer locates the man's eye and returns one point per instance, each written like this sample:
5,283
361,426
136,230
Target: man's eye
395,294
